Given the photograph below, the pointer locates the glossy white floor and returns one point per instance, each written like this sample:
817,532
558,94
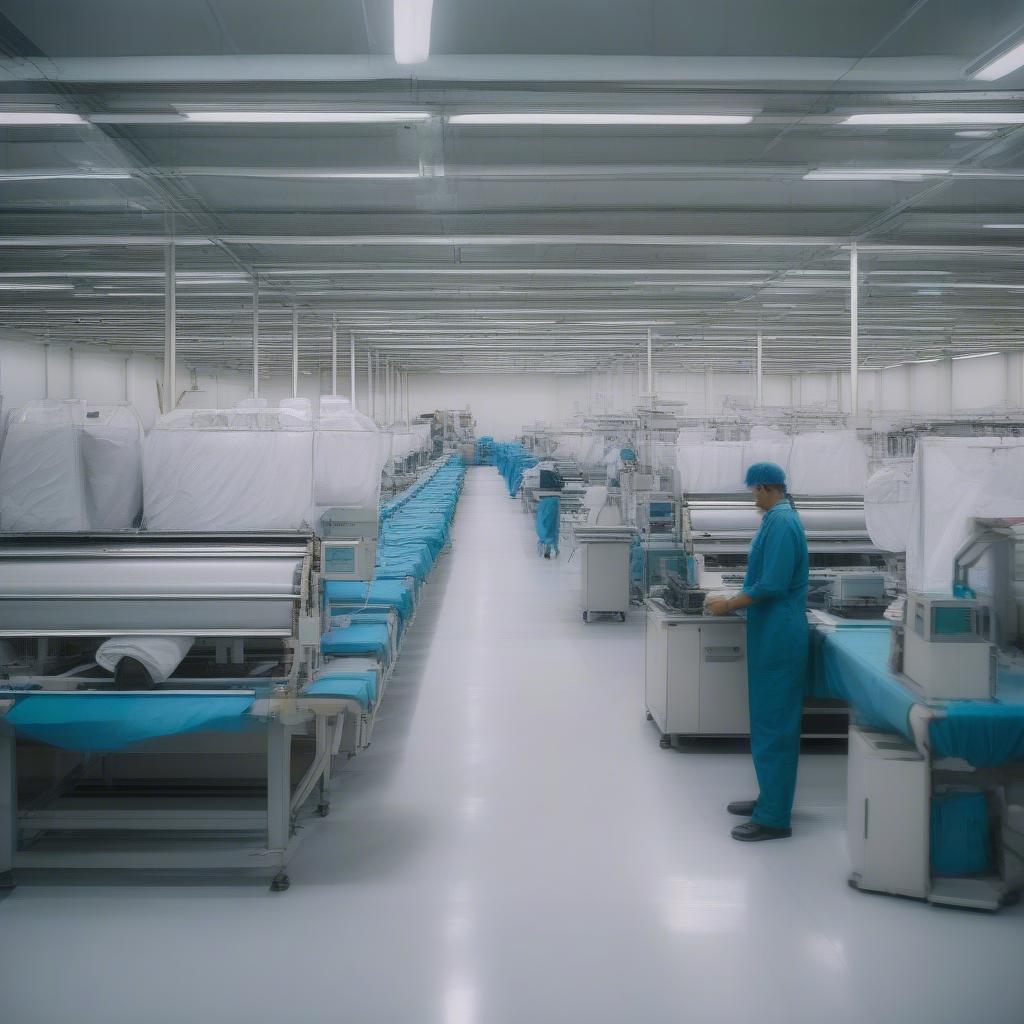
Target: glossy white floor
516,848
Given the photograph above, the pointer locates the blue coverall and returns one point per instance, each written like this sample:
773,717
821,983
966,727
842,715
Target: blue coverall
777,643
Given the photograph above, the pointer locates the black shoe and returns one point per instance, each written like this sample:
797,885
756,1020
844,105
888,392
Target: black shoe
742,808
751,832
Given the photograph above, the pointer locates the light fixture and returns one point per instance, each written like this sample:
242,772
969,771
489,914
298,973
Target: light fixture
976,133
603,118
999,61
976,355
934,119
1004,227
30,118
7,287
412,30
64,176
874,173
304,116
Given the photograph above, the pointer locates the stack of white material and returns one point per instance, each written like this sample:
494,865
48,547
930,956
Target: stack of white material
348,456
768,444
828,463
715,468
421,437
225,470
956,480
69,466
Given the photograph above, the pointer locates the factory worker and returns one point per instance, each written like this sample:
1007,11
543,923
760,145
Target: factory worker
775,596
550,479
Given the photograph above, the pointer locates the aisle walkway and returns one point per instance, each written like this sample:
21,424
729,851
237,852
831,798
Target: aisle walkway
515,848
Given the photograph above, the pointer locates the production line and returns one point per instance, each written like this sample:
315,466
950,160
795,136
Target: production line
172,698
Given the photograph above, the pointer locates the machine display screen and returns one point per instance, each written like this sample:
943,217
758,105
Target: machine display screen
339,558
951,621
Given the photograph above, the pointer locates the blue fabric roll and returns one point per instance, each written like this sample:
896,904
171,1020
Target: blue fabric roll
360,638
397,594
92,722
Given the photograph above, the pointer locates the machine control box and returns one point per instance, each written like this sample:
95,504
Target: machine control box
348,550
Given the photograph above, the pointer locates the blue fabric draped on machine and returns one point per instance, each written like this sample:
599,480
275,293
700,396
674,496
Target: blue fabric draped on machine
415,527
851,663
93,722
512,460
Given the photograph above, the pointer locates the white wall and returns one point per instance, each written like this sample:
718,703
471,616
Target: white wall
30,370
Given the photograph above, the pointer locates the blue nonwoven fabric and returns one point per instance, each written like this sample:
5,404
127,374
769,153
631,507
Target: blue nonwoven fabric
548,511
98,722
960,844
358,686
359,638
396,594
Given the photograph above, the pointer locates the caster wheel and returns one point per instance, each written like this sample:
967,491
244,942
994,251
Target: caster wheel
280,883
650,717
666,742
323,810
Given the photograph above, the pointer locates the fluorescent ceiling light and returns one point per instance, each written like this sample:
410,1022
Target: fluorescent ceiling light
14,118
1001,65
304,116
5,287
1004,227
934,359
934,119
874,173
64,176
544,117
412,30
977,355
976,133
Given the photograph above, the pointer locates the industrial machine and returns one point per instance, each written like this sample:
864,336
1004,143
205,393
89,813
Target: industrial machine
604,559
203,758
349,545
947,652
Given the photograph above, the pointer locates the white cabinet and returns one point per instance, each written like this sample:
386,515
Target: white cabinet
604,576
887,813
695,677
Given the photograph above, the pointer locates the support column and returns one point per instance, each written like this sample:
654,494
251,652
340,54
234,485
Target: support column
854,331
351,366
295,351
759,389
170,387
369,383
255,336
334,356
650,362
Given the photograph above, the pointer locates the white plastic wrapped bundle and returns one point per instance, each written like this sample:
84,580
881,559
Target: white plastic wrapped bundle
954,481
888,507
713,468
401,442
348,455
42,484
112,466
828,463
215,470
768,449
421,437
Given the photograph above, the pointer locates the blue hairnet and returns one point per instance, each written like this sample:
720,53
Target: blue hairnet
765,473
627,455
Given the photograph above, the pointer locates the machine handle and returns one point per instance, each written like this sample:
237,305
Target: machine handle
730,653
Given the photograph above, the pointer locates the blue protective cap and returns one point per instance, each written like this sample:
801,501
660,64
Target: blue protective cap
765,473
627,455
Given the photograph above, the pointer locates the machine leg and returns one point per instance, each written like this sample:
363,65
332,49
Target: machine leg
666,742
280,883
279,785
584,616
8,806
650,717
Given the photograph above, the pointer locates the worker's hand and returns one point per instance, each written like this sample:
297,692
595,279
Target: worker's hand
718,606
